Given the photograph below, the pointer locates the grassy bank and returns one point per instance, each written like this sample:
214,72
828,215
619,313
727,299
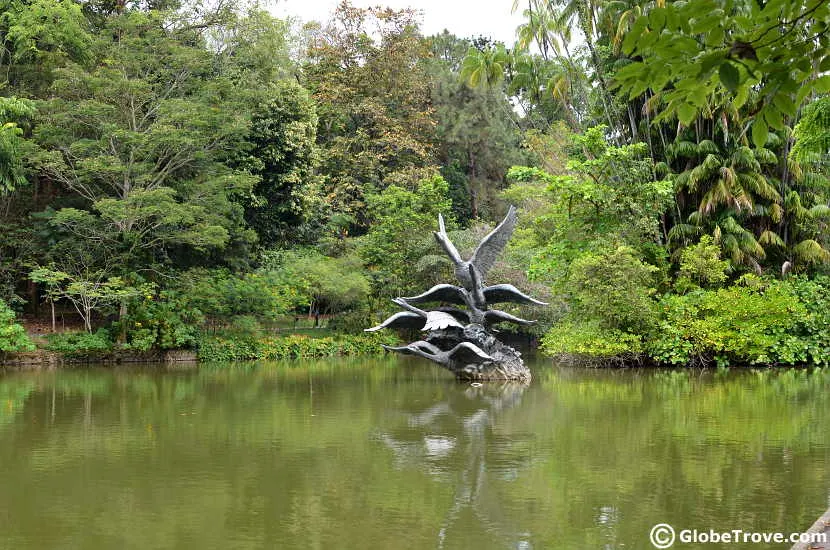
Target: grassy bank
16,348
230,348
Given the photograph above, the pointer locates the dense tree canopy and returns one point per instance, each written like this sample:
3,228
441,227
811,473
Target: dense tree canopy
173,167
367,73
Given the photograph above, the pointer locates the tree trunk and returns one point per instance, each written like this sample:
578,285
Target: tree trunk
635,136
33,298
88,318
122,313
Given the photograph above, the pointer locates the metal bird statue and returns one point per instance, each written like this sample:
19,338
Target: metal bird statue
460,339
485,254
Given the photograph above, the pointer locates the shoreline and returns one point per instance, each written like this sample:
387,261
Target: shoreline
821,525
42,358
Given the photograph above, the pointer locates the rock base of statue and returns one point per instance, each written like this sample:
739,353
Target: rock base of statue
504,362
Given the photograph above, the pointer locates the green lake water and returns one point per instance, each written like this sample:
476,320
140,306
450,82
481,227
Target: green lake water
393,453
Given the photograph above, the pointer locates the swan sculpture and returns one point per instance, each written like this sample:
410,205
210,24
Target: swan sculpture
462,340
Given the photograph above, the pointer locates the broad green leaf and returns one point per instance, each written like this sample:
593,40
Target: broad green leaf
672,21
686,113
633,35
740,97
698,97
705,24
660,79
638,88
804,65
647,40
715,37
785,104
657,19
773,117
760,131
729,76
710,61
822,84
803,92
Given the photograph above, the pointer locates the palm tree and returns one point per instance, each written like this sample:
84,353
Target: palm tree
484,66
738,243
725,175
752,214
727,184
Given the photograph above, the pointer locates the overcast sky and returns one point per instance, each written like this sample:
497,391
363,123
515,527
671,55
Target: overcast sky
464,18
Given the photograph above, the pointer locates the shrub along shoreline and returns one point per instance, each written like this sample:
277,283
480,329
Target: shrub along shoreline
74,348
293,346
752,322
755,322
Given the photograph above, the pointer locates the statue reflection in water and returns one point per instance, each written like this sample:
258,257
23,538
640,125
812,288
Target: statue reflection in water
457,441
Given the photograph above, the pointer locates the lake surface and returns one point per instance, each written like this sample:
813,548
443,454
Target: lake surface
393,453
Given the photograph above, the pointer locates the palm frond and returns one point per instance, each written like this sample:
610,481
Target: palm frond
696,218
765,156
770,238
811,252
717,195
712,163
757,184
819,211
744,159
683,233
682,149
707,147
776,213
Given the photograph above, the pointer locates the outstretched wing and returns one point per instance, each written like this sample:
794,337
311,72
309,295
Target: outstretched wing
508,293
415,348
465,352
440,293
491,246
494,316
459,314
422,349
402,319
445,242
440,320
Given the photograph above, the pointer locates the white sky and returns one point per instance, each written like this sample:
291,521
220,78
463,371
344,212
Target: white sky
464,18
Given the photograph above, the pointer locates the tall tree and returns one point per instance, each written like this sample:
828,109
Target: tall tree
283,155
478,138
142,139
367,73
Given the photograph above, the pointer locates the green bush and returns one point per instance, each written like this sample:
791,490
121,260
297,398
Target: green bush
701,266
163,322
12,335
318,282
76,344
221,294
226,348
758,324
754,322
814,327
246,326
615,288
589,341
